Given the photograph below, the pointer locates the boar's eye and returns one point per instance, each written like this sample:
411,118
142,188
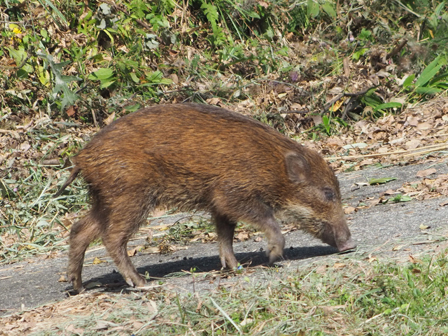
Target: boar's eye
329,194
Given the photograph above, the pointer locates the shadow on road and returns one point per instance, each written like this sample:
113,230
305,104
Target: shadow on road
113,280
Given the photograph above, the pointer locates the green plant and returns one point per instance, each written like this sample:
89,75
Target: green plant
211,12
428,83
60,81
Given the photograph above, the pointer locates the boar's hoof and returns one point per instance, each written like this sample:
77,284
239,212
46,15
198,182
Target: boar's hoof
135,281
275,250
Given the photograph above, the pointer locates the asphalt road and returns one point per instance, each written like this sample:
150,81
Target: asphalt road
391,230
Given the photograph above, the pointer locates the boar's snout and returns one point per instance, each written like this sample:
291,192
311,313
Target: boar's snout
348,245
338,236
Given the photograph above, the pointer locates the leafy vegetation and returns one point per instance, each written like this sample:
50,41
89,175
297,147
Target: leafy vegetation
72,53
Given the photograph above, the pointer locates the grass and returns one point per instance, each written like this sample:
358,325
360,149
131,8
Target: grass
343,296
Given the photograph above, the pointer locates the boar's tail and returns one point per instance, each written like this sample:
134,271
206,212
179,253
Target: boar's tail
72,176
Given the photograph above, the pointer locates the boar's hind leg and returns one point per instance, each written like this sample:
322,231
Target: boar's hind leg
225,229
81,234
115,238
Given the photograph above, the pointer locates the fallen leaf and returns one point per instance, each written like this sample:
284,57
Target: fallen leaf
102,325
426,172
375,202
336,105
372,259
348,210
355,145
152,249
317,119
97,261
412,121
412,144
412,259
109,119
76,331
366,162
242,236
390,192
212,235
63,278
25,146
321,269
381,180
132,252
246,321
424,126
71,111
214,101
339,265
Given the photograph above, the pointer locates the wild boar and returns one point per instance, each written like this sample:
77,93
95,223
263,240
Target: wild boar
199,157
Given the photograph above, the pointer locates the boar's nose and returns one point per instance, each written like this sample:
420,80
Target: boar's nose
347,245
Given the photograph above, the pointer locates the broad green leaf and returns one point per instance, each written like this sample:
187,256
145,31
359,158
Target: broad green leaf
381,180
19,55
388,105
371,99
400,198
134,77
105,83
60,81
43,75
439,78
252,14
427,90
408,81
101,74
328,8
312,9
439,8
356,55
430,71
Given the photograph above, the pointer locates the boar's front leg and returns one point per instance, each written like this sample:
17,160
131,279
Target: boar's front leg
276,241
225,229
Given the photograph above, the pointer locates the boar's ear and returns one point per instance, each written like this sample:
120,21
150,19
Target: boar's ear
297,167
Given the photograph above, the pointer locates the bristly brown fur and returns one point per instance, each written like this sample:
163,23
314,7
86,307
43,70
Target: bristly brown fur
201,157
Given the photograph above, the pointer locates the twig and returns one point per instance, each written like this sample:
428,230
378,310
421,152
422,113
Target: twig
397,49
408,9
418,151
427,150
346,94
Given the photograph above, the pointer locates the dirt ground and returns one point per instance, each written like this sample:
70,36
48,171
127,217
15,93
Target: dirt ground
390,230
